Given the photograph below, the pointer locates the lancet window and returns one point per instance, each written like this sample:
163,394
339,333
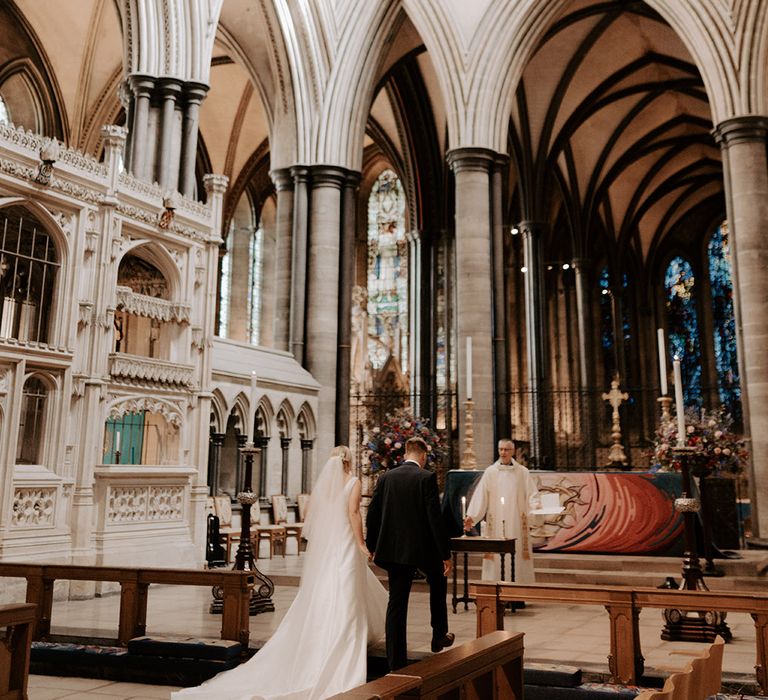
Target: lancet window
28,269
683,326
34,405
387,273
721,284
255,283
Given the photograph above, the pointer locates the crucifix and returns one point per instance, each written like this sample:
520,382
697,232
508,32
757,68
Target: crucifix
615,397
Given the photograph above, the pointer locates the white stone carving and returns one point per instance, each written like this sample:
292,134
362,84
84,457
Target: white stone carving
33,507
148,369
148,189
85,313
169,410
152,307
137,504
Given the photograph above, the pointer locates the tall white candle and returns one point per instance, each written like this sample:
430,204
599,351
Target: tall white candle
469,366
252,407
679,407
502,501
463,508
662,362
117,441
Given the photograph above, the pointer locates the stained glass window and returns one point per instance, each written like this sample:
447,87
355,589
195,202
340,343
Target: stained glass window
683,326
607,309
255,275
387,272
225,288
721,282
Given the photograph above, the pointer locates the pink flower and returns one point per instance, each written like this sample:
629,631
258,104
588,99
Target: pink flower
398,445
387,441
717,450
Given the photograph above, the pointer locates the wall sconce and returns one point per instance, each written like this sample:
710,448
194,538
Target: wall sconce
49,154
169,205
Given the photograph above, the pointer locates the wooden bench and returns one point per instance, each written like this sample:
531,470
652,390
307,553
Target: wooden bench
134,584
488,668
19,621
624,605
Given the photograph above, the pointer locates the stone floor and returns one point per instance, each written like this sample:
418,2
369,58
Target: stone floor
576,635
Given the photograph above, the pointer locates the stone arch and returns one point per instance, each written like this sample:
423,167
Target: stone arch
285,420
158,256
306,427
264,417
241,409
218,411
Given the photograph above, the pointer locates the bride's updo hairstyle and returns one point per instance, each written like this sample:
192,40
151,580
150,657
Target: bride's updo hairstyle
346,456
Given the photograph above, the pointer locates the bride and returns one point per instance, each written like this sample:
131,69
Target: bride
320,647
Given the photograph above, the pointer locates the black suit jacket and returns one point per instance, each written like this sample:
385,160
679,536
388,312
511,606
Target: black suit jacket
404,523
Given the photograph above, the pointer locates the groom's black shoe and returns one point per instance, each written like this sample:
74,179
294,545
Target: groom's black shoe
443,642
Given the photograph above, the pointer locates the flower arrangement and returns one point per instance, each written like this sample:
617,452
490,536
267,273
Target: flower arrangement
385,445
718,449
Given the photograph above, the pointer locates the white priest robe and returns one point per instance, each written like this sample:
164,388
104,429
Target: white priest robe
515,483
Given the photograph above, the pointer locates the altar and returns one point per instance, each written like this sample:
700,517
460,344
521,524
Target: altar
603,512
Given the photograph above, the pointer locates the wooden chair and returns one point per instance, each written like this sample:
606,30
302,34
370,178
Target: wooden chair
303,502
280,517
666,693
274,535
229,534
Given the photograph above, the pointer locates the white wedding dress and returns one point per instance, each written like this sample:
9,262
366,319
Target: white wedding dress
320,647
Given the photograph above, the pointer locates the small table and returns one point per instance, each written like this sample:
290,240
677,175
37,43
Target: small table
479,544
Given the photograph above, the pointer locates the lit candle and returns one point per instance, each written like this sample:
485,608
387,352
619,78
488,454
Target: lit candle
502,501
252,407
662,362
463,508
679,407
117,441
469,367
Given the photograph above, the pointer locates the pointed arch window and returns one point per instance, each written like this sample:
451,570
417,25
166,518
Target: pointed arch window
721,283
387,272
28,269
34,404
225,284
683,325
255,282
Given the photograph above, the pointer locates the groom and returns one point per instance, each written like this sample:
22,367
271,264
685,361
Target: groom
405,532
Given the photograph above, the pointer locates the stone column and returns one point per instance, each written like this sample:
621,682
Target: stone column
321,342
284,270
242,441
142,86
536,345
503,423
418,323
584,325
474,295
306,462
239,249
709,382
745,168
262,442
166,174
214,459
285,443
194,94
299,257
346,282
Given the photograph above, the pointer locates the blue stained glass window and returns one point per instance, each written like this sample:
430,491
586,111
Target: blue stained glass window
683,327
606,322
721,282
387,272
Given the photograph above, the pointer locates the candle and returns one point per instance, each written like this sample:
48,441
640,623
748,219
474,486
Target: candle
502,501
469,367
662,361
463,508
117,441
252,407
679,407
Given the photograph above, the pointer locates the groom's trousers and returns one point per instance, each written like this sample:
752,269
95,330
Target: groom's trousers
400,580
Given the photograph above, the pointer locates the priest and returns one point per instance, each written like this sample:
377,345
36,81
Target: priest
504,496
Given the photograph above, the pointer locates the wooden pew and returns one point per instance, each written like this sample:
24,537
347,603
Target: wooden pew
19,621
134,584
488,668
624,605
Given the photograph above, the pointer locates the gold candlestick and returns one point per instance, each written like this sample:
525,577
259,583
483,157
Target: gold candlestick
468,459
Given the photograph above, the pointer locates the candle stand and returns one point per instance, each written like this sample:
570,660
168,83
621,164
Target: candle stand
261,593
468,459
681,625
665,402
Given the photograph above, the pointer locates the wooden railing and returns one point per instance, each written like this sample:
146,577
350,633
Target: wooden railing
134,585
490,668
624,605
19,622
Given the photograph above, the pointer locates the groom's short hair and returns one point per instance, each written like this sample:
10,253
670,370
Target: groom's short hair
416,444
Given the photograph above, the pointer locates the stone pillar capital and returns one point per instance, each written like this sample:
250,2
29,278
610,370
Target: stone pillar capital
282,179
306,444
169,88
353,179
285,442
114,136
300,173
500,161
740,130
194,93
532,229
215,184
328,175
471,158
142,85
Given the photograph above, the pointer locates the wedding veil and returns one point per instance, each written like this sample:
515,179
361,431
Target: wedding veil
327,510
